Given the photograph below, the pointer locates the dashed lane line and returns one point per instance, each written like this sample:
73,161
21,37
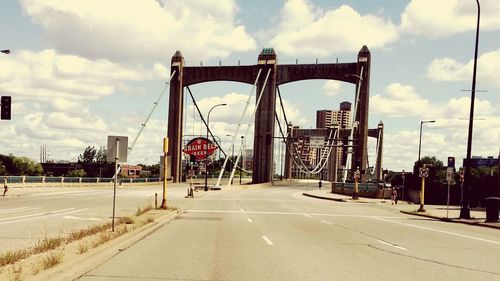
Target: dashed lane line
392,245
267,240
249,220
49,214
21,209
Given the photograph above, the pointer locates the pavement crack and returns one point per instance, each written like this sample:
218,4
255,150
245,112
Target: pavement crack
432,261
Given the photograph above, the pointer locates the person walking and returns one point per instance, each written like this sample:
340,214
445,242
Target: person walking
319,184
394,196
5,187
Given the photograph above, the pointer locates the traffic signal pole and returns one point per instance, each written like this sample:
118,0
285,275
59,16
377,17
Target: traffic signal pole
165,150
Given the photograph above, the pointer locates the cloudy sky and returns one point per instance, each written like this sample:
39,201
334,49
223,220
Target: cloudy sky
82,70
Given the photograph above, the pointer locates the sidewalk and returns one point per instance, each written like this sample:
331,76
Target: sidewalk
437,212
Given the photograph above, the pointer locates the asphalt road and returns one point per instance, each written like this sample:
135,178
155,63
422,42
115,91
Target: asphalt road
277,234
27,215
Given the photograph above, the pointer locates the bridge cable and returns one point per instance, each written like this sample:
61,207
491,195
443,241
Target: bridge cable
249,124
203,120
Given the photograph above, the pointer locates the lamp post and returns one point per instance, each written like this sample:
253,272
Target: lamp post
420,139
465,211
232,157
206,149
242,160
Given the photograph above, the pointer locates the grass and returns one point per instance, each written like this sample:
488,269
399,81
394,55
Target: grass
101,232
51,259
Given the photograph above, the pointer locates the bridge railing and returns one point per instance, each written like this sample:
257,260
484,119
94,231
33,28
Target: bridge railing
368,189
43,181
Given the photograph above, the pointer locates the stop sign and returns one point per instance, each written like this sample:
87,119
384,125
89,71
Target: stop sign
200,147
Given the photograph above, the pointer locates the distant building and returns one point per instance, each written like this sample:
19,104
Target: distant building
479,161
131,171
333,118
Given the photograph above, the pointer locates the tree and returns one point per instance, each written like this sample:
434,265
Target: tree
88,156
77,173
3,171
27,167
101,156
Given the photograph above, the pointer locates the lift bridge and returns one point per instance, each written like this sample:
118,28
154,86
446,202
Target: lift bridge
266,76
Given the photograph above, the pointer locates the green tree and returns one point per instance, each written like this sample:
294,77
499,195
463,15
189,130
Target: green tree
88,156
77,173
3,171
101,155
27,167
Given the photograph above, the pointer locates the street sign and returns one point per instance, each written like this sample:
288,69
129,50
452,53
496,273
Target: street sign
122,148
357,174
316,142
451,162
449,174
200,147
423,172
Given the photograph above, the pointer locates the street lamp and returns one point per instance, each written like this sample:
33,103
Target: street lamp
206,149
232,157
242,160
5,52
420,139
465,211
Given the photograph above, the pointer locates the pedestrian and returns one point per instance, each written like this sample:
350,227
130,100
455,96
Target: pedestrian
5,187
394,196
319,184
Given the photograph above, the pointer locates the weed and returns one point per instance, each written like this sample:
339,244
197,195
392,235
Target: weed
142,211
102,238
13,256
16,273
126,220
47,244
52,259
82,247
77,235
121,230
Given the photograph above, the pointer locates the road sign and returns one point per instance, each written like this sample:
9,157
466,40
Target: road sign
316,142
449,174
122,148
451,162
423,172
357,174
200,147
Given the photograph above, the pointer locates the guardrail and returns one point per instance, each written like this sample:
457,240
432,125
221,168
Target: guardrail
43,181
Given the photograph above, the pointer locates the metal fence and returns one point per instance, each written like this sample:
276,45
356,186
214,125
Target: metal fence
72,181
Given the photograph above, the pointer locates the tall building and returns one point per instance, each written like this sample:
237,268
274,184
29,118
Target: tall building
331,118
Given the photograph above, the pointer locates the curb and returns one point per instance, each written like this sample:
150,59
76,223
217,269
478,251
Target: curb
326,198
79,267
474,223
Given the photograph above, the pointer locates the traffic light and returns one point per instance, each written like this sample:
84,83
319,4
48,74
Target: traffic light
5,107
192,159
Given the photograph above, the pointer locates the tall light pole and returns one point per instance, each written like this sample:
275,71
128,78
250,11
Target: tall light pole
420,139
206,149
242,160
465,211
232,157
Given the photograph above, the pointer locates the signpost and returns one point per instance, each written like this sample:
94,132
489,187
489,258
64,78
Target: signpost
116,152
357,176
403,177
449,174
423,173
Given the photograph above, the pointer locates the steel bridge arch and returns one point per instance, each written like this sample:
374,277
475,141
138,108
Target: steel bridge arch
263,158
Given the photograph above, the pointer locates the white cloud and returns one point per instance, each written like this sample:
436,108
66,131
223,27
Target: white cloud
447,17
141,29
398,101
447,69
50,77
305,29
332,88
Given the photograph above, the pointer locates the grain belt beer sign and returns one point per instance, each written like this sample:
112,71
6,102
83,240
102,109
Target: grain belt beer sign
200,147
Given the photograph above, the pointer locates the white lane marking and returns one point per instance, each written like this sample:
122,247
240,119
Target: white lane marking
82,219
441,231
67,192
267,240
241,210
307,215
392,245
42,217
250,220
292,213
326,222
37,214
22,209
